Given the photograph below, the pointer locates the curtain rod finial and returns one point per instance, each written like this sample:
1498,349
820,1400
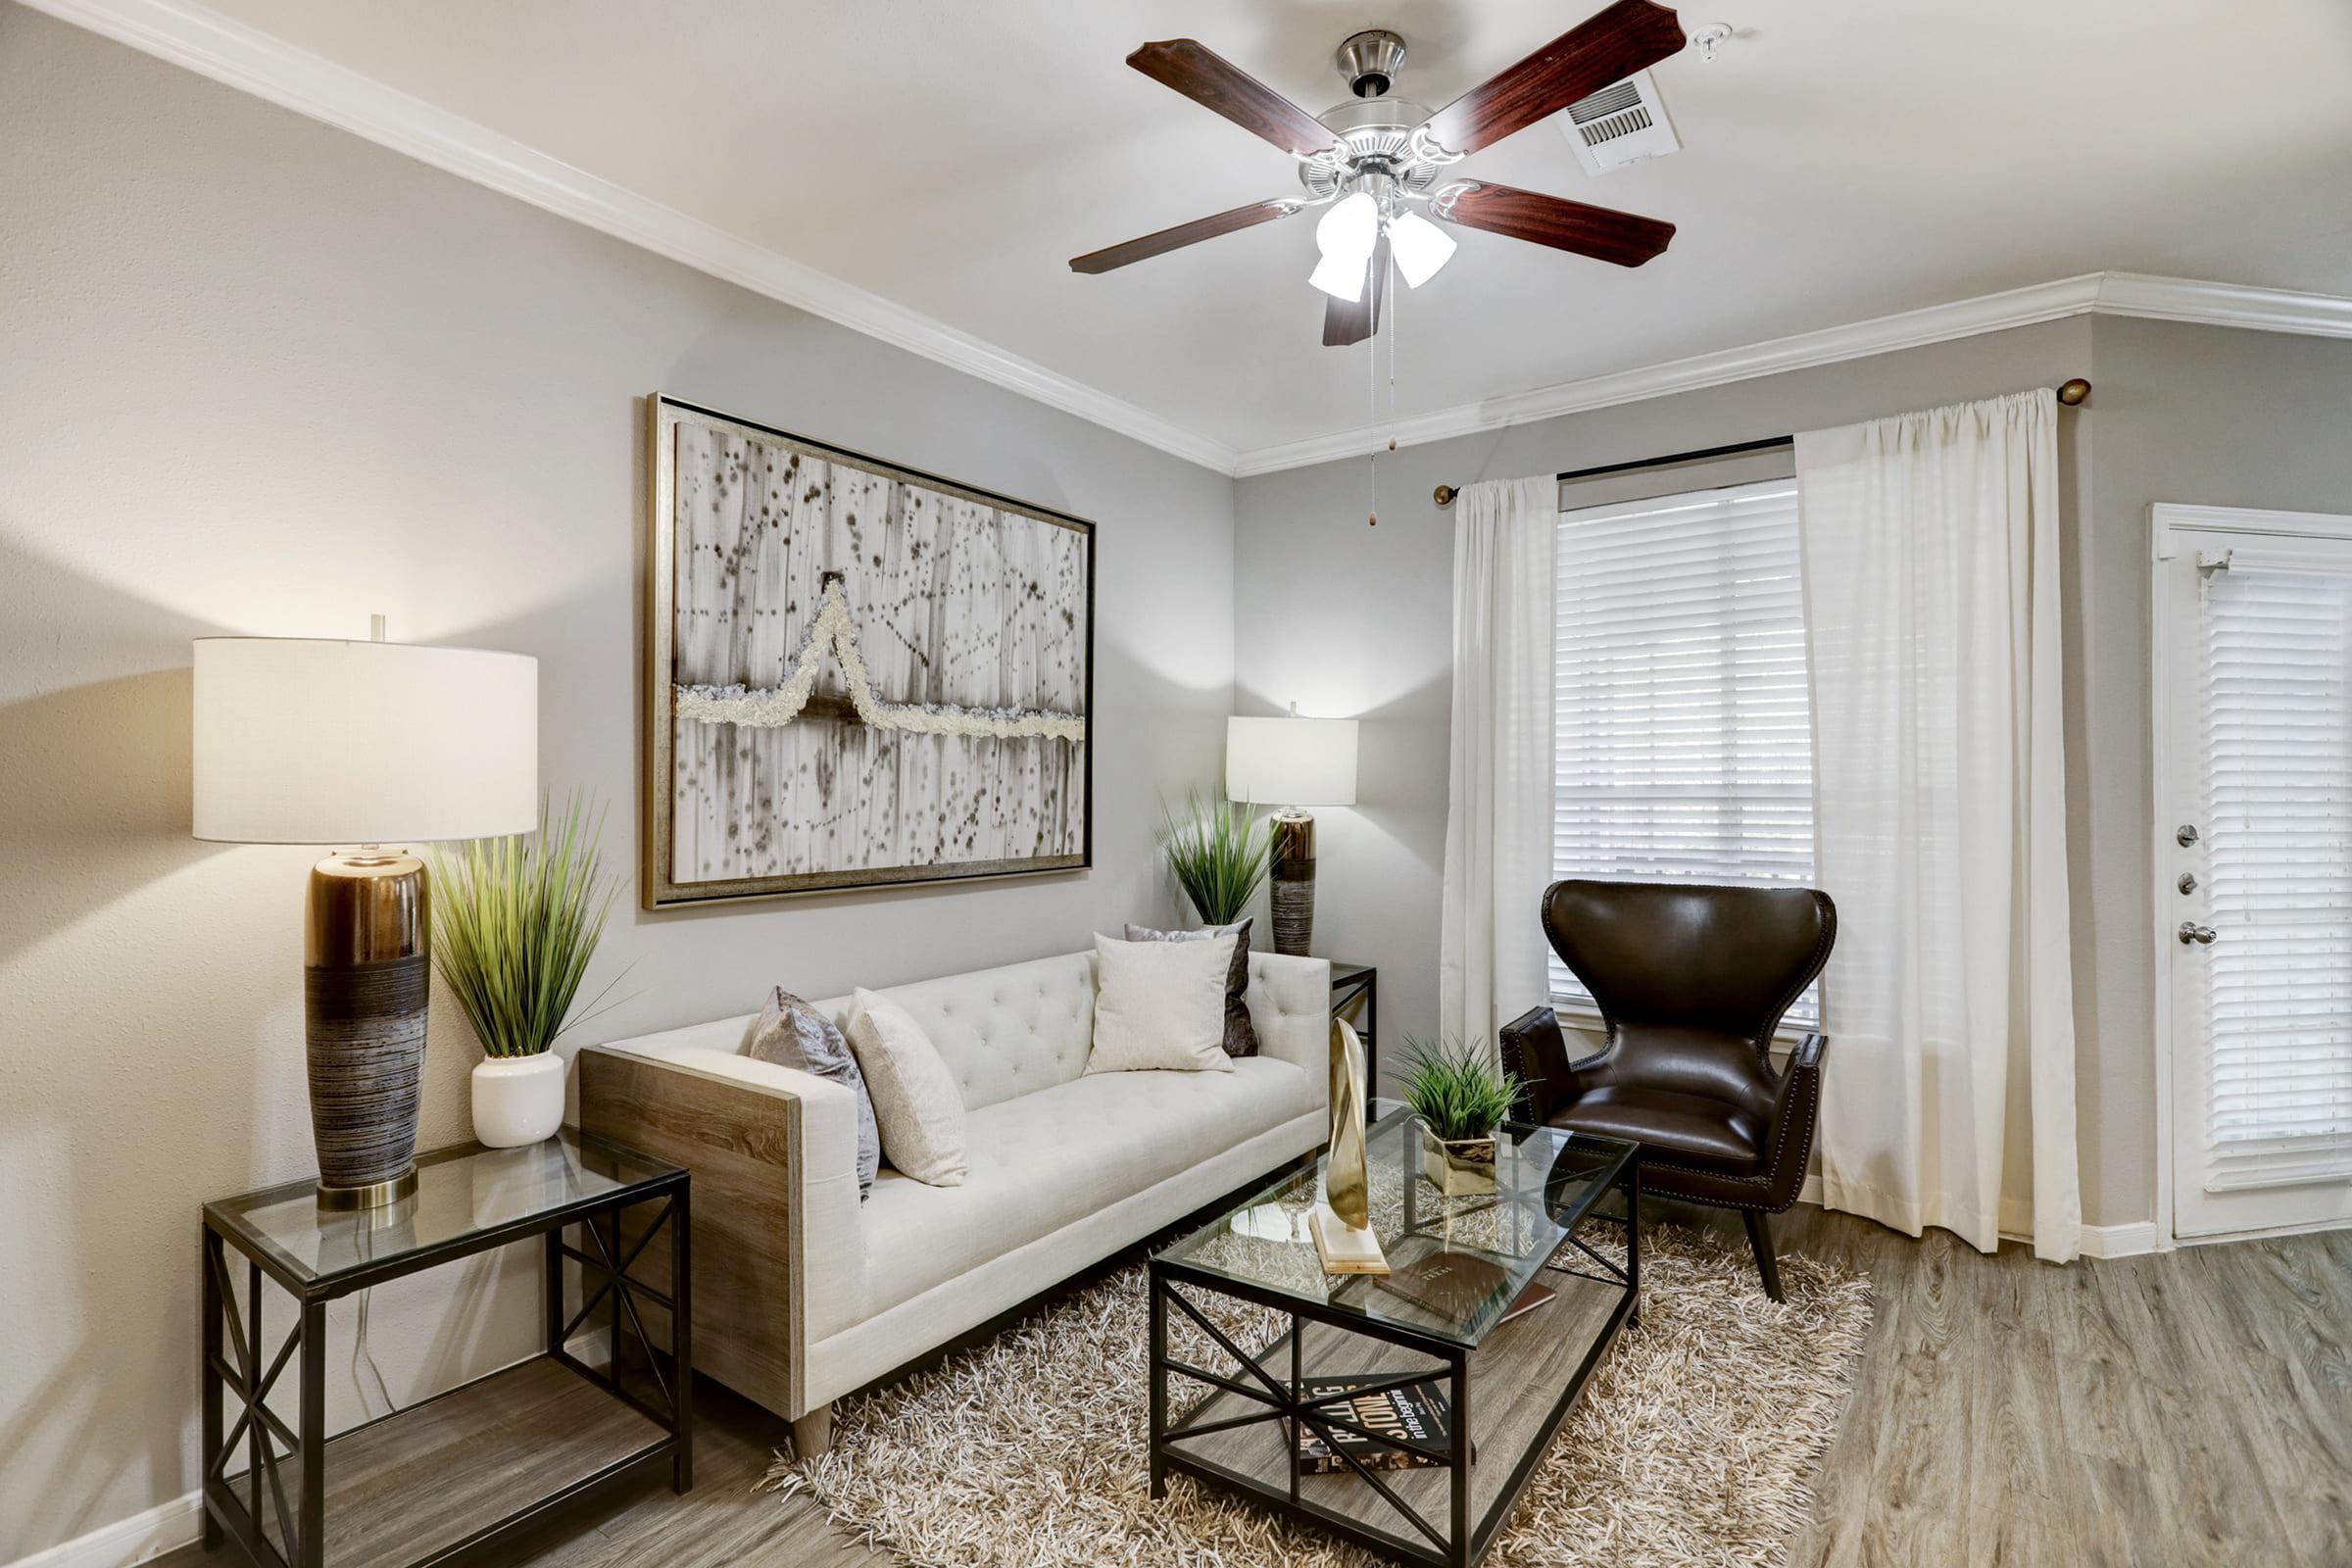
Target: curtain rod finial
1443,495
2074,393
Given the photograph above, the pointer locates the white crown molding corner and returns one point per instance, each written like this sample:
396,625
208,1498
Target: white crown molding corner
144,1536
242,57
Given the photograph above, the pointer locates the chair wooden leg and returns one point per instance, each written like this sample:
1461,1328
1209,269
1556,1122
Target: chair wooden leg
813,1434
1759,1237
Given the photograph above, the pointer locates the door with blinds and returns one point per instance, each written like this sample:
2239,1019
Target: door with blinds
2253,634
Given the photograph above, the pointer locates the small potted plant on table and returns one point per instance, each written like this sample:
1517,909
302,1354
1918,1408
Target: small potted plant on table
515,921
1461,1097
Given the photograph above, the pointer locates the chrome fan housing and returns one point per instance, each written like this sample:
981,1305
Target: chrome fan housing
1375,138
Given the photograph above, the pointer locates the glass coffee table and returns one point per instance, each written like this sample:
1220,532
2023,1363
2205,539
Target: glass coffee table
1266,1370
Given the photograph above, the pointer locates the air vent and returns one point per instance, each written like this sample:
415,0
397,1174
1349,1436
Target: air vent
1625,122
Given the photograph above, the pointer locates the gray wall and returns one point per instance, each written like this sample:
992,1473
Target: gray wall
261,377
1345,618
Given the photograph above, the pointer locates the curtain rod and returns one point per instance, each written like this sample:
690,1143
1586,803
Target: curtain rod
2073,394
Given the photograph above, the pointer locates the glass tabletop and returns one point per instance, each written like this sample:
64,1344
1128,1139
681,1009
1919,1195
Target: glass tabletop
1455,1264
460,1193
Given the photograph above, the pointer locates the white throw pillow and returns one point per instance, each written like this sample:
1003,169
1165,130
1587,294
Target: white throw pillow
1160,1005
917,1107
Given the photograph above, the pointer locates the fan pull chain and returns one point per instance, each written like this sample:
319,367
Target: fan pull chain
1372,399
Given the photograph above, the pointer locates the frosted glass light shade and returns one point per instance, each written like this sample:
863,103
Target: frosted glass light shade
1340,276
302,741
1420,246
1290,762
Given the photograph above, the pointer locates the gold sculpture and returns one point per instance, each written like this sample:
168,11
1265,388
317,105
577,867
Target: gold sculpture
1343,1225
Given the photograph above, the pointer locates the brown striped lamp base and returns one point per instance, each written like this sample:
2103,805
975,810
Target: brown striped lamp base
366,978
1292,882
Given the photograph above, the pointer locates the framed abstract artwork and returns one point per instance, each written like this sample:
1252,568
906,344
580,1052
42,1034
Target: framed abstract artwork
857,674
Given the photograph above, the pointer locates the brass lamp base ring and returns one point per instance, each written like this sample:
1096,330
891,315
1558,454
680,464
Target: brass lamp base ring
368,1194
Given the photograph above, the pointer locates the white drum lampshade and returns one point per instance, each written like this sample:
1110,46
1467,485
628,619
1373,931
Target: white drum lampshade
314,741
1290,763
368,746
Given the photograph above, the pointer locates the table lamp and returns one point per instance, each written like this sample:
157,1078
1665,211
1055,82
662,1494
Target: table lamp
1291,763
373,745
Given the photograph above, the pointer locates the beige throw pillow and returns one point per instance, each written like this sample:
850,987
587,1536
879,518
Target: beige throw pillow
1159,1004
917,1106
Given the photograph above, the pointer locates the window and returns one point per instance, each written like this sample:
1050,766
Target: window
1684,748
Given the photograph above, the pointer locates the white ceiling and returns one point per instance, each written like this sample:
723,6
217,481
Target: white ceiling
1844,159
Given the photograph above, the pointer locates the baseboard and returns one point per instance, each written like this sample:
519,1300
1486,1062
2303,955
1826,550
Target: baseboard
2129,1239
145,1535
2120,1240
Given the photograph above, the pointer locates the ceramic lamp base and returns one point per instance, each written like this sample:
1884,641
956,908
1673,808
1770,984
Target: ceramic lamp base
1294,882
366,978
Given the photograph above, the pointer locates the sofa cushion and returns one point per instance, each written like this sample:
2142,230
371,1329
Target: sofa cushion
1044,1161
791,1033
917,1105
1240,1039
1160,1005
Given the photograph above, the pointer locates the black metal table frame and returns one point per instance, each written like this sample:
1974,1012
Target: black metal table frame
1362,982
1463,1542
302,1523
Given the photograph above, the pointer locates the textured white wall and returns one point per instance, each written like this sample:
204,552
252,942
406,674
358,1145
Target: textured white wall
259,376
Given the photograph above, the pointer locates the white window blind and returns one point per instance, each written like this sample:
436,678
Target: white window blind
2277,672
1685,745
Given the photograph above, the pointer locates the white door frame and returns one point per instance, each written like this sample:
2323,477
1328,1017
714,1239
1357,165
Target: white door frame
2166,519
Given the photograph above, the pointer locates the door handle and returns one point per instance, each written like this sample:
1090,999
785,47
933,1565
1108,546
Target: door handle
2202,935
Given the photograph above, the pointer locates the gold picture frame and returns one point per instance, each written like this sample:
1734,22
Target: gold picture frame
1060,742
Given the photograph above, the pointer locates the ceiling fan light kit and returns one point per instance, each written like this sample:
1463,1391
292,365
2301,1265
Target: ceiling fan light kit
1372,160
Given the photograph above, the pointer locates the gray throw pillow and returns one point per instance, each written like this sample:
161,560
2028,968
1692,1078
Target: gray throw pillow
1240,1039
792,1034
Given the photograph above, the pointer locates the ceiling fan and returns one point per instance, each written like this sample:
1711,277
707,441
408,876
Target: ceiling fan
1371,161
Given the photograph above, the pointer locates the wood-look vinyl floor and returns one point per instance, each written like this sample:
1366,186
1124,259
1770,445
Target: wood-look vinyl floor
2161,1412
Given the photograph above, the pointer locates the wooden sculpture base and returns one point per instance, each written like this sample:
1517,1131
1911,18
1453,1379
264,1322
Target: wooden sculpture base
1344,1249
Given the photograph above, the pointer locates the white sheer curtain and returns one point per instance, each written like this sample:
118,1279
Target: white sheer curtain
1931,573
1500,784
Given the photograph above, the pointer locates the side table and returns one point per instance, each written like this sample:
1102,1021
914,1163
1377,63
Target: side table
419,1486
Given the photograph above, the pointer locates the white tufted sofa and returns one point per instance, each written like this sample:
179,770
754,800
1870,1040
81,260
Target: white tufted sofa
803,1293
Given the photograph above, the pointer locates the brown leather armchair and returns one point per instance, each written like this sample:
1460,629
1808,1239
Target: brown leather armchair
1691,981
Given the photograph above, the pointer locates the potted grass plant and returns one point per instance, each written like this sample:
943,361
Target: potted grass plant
515,921
1219,854
1460,1097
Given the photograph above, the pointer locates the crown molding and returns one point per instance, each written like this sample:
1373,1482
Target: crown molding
2169,299
2260,310
251,60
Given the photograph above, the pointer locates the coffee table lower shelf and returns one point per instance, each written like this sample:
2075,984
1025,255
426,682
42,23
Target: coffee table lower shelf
1520,1383
442,1477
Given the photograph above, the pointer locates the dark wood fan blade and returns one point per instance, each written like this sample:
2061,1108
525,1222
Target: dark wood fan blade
1217,83
1346,322
1183,234
1601,232
1629,36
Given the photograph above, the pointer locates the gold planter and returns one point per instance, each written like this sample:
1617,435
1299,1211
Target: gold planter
1460,1167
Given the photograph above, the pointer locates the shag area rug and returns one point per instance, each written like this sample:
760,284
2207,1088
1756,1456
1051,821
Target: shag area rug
1694,1444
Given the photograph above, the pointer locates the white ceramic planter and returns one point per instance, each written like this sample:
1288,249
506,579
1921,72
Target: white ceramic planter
518,1100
